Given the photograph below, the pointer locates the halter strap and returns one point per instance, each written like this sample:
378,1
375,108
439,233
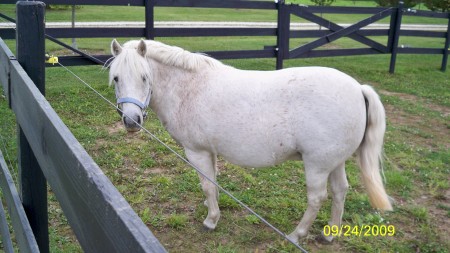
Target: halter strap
133,101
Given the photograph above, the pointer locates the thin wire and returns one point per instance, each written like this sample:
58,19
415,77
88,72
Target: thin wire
8,157
189,163
6,150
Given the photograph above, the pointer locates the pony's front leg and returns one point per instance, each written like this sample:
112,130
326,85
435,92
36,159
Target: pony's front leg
206,162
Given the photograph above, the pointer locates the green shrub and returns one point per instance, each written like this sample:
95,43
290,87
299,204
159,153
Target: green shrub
437,5
323,2
61,6
394,3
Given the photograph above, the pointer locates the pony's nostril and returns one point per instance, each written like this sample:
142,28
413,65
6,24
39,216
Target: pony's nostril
128,121
132,122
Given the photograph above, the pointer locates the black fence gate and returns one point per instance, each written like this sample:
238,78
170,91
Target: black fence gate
333,32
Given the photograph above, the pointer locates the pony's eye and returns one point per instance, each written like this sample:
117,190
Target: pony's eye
116,79
144,79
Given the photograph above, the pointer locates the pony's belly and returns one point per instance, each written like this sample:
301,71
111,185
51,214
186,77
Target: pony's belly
255,157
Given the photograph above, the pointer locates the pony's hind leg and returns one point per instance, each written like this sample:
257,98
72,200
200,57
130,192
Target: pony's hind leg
206,162
339,186
316,182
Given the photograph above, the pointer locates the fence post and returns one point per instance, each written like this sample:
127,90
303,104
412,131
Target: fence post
30,50
394,35
282,33
447,42
150,19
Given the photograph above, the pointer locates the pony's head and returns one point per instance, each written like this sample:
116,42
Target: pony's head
130,73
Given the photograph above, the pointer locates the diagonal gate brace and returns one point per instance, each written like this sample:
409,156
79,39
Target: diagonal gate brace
338,31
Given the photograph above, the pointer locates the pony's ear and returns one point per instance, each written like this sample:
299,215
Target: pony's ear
142,48
116,49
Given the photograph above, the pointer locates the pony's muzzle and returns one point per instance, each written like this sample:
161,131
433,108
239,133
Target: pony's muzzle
132,123
132,118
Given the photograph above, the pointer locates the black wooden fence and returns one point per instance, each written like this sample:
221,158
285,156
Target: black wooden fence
99,215
282,50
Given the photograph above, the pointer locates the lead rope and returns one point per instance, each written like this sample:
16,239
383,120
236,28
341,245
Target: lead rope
189,163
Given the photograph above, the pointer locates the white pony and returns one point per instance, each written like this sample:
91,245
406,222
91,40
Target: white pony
256,119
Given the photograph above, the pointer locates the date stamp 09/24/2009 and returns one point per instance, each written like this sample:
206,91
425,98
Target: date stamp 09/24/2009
359,230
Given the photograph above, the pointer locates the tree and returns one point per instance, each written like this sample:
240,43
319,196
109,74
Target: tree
438,5
60,7
323,2
394,3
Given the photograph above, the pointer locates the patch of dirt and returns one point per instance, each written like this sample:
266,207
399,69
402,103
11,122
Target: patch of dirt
438,214
114,128
445,111
317,247
132,137
101,143
430,132
331,46
154,170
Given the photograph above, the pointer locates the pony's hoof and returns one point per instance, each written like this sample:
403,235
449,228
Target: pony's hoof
293,237
206,229
207,225
322,239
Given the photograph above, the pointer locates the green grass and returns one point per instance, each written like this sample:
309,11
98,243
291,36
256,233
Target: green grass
166,194
177,221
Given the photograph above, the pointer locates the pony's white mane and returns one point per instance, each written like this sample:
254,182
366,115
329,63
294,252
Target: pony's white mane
175,56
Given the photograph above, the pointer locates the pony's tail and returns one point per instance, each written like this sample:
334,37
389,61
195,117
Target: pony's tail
369,153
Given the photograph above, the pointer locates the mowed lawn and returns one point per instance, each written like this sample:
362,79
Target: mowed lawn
166,193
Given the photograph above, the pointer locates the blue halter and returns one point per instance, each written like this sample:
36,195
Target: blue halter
134,101
131,100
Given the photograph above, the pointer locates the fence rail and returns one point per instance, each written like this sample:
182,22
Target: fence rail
26,241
